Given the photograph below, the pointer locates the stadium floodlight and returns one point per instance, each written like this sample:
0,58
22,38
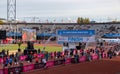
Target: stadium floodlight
11,11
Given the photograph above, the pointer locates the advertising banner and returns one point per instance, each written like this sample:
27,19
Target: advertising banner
58,62
38,66
75,36
76,32
23,58
94,57
1,60
50,64
68,61
15,70
82,59
40,55
28,68
4,71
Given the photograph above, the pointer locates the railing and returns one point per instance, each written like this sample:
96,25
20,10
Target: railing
49,64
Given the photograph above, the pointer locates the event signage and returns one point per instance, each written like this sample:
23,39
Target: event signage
15,70
76,32
75,36
82,59
1,60
25,68
50,64
28,68
58,62
68,61
111,35
4,71
75,39
94,57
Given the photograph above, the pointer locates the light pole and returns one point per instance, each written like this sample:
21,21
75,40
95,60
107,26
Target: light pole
11,13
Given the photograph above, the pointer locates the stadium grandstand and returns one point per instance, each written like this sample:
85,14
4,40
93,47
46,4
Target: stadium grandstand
46,30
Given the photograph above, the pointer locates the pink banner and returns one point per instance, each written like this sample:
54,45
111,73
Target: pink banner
94,57
82,59
4,71
40,55
23,57
68,61
1,60
28,68
50,64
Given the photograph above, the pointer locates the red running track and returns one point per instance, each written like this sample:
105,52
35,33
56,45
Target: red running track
106,66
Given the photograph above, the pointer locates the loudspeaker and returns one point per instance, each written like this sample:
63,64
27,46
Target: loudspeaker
30,45
78,47
2,34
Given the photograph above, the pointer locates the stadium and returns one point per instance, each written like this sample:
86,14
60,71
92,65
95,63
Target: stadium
46,40
78,46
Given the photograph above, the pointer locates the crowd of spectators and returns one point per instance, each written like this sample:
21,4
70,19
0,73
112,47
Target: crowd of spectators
100,29
32,57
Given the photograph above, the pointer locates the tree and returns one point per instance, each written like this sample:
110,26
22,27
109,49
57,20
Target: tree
86,20
83,20
78,20
1,22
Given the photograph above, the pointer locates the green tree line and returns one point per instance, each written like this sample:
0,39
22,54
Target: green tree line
81,20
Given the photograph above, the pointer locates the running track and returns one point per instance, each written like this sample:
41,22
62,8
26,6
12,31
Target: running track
105,66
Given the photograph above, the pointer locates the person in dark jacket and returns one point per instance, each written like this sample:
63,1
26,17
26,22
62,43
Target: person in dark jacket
110,54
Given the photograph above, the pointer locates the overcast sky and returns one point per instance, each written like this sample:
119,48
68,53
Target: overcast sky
65,8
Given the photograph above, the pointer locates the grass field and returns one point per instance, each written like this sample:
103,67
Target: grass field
14,47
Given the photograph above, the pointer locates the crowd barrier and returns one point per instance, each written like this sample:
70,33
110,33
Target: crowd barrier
23,57
1,60
94,56
68,61
4,71
82,59
50,64
26,68
14,70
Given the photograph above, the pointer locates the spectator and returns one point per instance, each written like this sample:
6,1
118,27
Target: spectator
46,56
38,51
110,54
7,52
10,61
36,59
6,61
44,61
76,57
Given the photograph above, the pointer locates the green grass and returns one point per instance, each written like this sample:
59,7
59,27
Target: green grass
13,47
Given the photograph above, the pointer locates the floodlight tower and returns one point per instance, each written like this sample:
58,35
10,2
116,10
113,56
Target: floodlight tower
11,14
11,11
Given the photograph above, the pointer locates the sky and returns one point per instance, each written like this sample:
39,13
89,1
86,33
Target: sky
71,9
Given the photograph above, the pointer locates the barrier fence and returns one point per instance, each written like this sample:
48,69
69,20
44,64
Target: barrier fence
26,68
